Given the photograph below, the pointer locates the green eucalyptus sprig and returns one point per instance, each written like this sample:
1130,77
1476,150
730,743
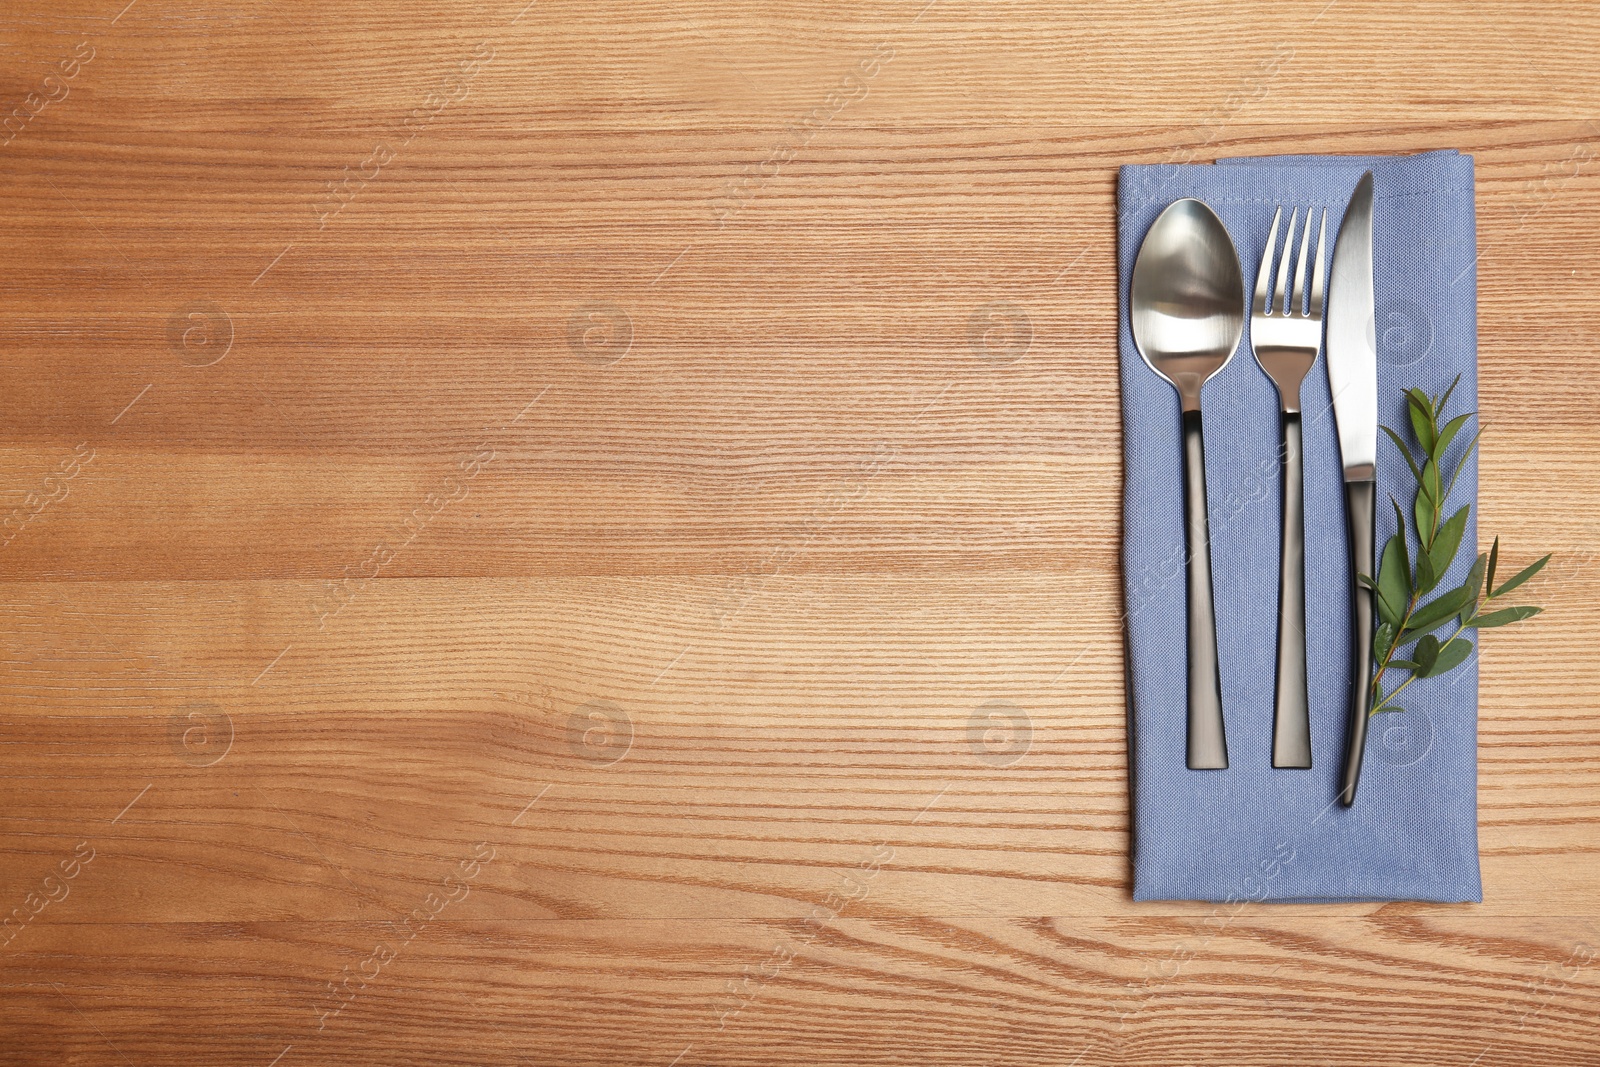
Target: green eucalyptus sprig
1405,617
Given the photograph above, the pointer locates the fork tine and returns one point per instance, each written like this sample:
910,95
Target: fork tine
1262,305
1280,295
1318,271
1297,305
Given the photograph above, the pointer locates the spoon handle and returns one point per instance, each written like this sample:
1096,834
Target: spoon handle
1291,724
1208,748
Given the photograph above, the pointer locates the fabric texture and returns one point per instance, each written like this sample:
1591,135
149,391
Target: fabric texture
1252,832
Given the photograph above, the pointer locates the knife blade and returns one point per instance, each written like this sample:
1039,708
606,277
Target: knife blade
1352,337
1353,381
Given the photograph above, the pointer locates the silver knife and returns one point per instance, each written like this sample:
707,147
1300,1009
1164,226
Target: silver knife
1353,379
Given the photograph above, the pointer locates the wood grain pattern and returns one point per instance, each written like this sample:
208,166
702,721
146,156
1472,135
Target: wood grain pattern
516,551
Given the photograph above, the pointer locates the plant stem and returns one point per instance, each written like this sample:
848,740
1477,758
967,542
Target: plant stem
1377,677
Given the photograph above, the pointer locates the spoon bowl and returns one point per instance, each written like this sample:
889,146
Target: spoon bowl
1187,298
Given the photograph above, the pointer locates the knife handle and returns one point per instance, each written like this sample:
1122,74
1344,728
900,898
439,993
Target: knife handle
1360,500
1208,748
1291,724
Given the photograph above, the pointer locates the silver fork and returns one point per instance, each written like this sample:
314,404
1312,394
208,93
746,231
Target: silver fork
1285,336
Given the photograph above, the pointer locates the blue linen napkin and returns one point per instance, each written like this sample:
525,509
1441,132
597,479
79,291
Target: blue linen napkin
1251,832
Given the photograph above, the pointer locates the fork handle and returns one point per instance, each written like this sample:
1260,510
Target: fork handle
1360,504
1208,748
1291,724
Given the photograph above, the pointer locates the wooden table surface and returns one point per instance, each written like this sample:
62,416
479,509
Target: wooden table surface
587,534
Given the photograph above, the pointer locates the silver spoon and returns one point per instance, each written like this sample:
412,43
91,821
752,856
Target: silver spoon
1188,316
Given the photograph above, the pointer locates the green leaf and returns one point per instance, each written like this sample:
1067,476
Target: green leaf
1471,447
1443,400
1446,543
1421,411
1423,401
1452,655
1430,482
1427,578
1447,435
1475,576
1426,513
1405,550
1494,558
1393,581
1426,654
1434,612
1416,473
1385,711
1521,576
1503,617
1403,664
1383,641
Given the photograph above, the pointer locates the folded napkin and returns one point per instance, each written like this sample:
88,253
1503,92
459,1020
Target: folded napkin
1251,832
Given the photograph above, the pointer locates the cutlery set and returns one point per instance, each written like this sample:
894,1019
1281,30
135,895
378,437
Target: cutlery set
1187,304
